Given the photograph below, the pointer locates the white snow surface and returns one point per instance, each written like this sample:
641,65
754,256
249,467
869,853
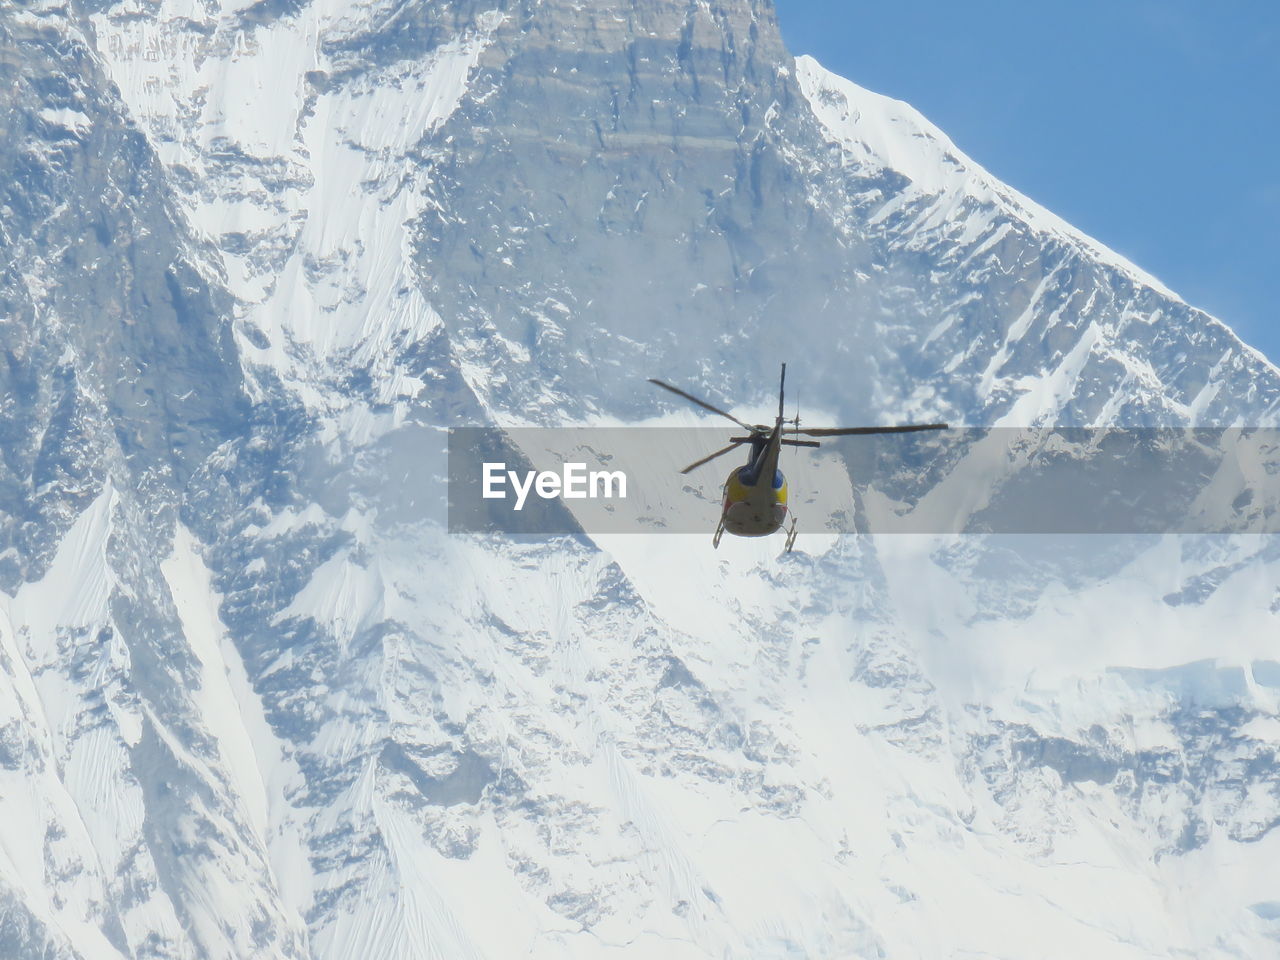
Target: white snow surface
325,273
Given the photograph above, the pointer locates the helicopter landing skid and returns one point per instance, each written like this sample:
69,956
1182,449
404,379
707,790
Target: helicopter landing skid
715,539
791,535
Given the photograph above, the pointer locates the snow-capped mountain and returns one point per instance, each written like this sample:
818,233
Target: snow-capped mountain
258,703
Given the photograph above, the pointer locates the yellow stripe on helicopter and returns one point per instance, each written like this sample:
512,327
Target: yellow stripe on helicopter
735,491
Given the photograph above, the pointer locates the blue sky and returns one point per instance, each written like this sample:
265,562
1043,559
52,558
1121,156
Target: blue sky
1152,125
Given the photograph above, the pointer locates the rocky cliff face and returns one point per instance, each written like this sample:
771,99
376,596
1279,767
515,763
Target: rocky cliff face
258,703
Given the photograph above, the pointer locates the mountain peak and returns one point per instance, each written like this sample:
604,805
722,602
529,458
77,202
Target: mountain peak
894,135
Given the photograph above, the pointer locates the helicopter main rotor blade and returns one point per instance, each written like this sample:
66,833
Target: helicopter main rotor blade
864,431
707,459
703,404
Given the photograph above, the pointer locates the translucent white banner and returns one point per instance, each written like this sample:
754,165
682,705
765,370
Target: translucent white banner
965,480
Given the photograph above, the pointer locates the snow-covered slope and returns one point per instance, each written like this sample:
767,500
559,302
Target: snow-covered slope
257,703
882,133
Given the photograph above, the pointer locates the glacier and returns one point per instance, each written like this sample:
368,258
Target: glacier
255,701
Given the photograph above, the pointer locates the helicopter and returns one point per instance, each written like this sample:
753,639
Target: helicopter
755,495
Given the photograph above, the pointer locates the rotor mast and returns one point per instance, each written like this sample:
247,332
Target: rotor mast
782,384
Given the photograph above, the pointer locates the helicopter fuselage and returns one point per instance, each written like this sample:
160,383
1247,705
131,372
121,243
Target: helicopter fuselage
755,495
